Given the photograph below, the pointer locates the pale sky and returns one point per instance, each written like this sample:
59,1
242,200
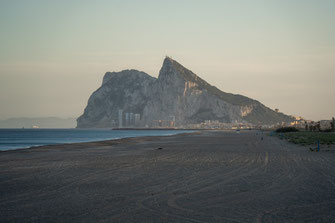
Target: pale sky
53,54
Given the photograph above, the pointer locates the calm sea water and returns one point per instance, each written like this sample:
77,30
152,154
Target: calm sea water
25,138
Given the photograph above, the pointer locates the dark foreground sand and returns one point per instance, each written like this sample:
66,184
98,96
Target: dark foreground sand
206,177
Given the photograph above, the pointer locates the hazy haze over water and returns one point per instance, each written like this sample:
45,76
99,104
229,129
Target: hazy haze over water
53,54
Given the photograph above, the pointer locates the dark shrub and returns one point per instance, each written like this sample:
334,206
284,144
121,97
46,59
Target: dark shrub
287,129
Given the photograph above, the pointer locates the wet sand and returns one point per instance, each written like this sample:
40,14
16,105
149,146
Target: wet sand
211,176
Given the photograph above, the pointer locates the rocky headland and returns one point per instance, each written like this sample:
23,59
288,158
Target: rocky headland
134,98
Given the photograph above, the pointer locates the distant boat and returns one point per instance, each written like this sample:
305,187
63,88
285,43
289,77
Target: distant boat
35,127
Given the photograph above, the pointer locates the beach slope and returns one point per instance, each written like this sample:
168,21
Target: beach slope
210,176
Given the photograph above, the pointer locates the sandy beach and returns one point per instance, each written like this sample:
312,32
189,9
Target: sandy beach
209,176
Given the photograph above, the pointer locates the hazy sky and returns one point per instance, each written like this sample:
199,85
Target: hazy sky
53,54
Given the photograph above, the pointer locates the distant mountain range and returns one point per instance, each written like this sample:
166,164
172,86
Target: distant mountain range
42,122
177,95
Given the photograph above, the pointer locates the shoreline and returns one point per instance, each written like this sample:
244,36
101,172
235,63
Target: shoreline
88,142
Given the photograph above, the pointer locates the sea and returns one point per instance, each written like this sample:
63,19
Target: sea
11,139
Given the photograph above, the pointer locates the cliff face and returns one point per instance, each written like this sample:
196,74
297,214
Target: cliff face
127,90
177,93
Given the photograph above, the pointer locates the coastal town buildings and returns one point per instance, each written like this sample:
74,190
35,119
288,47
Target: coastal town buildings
120,118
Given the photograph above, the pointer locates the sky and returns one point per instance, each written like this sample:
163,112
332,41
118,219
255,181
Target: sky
53,54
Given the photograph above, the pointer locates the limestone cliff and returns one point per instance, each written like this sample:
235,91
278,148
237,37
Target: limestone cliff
128,90
177,94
